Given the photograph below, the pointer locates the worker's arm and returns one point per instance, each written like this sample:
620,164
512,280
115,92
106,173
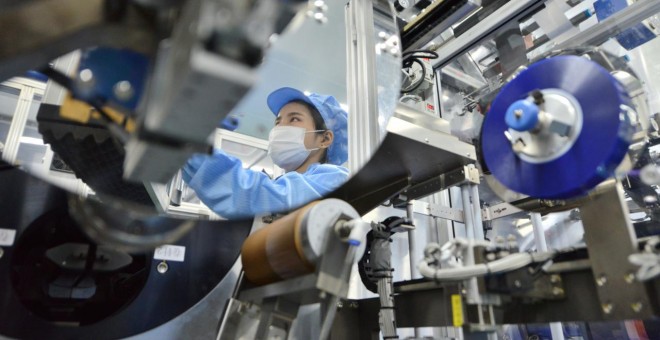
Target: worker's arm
231,191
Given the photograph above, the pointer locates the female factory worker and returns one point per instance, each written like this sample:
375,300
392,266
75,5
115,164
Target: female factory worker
309,141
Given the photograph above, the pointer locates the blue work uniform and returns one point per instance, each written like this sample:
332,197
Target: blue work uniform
233,192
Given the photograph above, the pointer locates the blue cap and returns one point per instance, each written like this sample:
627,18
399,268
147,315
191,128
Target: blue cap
336,119
522,115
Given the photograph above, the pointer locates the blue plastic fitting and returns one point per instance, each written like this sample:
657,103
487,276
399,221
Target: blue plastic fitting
522,115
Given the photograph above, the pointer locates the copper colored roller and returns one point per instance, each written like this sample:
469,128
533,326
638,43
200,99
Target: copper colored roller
291,246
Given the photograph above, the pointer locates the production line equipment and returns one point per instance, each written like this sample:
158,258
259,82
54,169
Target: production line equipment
568,129
562,133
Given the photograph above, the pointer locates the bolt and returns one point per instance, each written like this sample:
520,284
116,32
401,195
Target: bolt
637,306
463,291
555,278
123,90
518,113
518,146
467,154
426,140
517,283
85,81
556,291
86,76
531,271
354,304
383,35
630,277
162,267
340,304
322,295
607,308
601,281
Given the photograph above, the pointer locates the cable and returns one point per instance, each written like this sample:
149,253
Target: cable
415,57
505,264
420,81
68,83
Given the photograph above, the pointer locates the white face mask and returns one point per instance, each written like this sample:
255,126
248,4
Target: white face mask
287,146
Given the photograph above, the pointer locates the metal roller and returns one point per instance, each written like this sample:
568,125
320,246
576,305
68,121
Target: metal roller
292,245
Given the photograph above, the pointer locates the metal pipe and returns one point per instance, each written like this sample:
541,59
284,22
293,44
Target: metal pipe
556,328
412,250
539,232
176,189
412,247
468,212
478,219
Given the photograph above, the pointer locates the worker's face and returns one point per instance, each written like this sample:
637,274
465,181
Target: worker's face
296,114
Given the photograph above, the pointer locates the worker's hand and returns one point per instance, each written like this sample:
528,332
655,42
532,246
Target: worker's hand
192,165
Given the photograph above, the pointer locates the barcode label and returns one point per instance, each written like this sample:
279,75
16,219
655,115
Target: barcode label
170,253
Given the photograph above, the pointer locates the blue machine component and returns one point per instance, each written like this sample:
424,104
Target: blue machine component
36,76
230,123
522,115
630,38
600,147
109,67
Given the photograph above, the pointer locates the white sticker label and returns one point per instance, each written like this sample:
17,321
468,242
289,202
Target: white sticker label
170,253
7,237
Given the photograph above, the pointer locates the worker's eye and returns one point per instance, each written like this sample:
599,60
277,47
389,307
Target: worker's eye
295,119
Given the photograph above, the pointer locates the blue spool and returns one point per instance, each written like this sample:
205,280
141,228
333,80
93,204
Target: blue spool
603,142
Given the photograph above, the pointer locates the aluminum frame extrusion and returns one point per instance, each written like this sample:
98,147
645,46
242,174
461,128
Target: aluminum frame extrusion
493,22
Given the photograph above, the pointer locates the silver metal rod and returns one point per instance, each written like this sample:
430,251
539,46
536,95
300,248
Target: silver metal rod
412,246
556,328
539,232
476,207
176,189
412,251
468,215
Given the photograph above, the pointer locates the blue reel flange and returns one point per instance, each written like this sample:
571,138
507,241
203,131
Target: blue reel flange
558,129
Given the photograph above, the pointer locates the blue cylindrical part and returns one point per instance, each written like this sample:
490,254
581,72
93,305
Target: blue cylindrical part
522,115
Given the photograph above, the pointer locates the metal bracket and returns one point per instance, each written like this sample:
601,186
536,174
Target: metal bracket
447,213
498,211
610,239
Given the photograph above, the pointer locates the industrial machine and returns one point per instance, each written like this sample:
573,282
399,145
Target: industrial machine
503,157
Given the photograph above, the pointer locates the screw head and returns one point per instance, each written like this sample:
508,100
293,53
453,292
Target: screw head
123,90
637,306
162,267
556,291
607,308
86,75
517,283
518,113
555,278
601,280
